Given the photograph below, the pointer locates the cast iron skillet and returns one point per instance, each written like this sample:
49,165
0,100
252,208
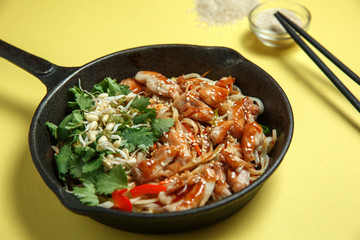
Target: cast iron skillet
170,60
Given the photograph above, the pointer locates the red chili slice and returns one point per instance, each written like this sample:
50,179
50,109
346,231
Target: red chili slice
121,202
146,189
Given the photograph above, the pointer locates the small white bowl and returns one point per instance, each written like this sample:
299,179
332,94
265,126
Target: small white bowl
268,29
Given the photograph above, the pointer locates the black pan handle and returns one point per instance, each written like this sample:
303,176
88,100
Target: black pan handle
48,73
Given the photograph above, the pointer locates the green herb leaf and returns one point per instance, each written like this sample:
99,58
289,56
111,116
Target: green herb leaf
53,129
108,183
129,146
86,153
75,166
70,122
162,125
266,129
92,176
109,86
62,131
76,120
140,103
62,160
147,115
139,136
93,164
82,99
87,194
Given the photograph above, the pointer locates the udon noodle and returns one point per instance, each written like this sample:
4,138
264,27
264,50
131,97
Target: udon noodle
213,148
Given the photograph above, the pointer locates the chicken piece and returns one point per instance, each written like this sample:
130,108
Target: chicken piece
219,132
213,95
242,112
226,82
245,108
192,198
174,138
234,159
196,192
251,110
159,84
239,180
210,179
222,188
190,106
183,83
237,115
252,137
224,108
175,182
155,166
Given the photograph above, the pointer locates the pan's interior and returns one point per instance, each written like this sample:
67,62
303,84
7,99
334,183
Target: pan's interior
170,60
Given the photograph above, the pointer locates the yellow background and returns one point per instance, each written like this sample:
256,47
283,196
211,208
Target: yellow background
314,194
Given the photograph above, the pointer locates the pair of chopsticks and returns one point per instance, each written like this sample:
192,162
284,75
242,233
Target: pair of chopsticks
291,27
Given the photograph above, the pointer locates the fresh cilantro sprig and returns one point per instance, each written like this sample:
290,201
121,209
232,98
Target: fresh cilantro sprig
105,184
82,101
161,125
134,138
63,159
87,194
146,116
79,163
145,136
72,123
111,87
140,103
108,183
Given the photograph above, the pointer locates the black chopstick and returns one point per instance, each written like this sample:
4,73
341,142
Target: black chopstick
288,24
